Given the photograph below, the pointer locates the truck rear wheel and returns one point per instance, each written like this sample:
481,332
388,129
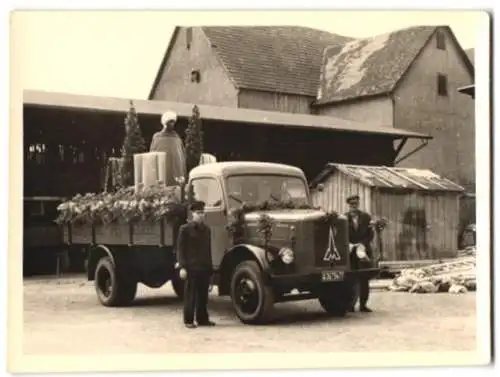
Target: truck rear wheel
252,300
111,288
336,298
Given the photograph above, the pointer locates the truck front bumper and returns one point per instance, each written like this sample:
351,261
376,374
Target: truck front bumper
310,280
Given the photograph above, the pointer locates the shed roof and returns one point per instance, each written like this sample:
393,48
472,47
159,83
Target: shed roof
390,177
215,113
373,66
284,59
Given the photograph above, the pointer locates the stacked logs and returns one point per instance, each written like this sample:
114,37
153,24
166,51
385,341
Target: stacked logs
456,276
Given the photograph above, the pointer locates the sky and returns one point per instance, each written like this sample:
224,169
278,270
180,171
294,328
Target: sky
117,54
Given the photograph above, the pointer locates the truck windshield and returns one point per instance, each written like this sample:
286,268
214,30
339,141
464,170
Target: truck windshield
254,189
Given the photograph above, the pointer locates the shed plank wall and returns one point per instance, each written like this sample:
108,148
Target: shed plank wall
337,188
410,240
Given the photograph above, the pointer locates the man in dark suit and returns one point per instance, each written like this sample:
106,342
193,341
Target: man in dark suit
360,231
194,256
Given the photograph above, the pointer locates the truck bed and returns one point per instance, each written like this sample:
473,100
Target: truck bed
119,233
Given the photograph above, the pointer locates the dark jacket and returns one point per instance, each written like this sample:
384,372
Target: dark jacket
194,247
364,232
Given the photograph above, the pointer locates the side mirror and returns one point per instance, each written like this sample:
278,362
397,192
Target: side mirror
320,187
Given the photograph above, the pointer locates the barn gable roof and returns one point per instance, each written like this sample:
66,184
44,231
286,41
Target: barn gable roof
374,66
284,59
390,177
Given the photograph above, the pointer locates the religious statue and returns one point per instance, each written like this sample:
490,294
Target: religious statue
168,141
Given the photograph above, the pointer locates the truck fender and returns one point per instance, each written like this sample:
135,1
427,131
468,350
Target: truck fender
236,255
95,254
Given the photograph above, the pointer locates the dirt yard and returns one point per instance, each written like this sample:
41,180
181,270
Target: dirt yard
63,316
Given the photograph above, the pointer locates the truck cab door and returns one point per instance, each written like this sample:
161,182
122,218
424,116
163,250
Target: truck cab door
209,190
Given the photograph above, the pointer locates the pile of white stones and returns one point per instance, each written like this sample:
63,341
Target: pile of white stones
454,276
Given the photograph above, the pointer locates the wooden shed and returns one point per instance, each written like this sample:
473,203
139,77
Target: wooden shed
421,207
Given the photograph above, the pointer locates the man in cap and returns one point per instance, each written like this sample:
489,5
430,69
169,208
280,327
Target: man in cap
360,231
194,256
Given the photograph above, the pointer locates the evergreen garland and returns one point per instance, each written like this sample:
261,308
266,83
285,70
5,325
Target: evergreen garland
132,144
194,140
265,228
237,224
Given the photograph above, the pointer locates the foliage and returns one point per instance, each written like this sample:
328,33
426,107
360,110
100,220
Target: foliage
151,204
265,228
331,217
194,140
132,144
237,224
379,224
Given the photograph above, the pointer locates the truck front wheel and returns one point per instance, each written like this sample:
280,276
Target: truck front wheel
252,300
111,288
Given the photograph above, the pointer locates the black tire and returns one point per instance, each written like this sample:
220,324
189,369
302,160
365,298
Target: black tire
112,289
337,298
178,285
255,306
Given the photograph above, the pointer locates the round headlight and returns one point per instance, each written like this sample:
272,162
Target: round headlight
286,255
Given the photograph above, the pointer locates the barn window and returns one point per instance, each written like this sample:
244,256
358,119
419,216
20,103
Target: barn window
189,37
195,76
442,85
440,41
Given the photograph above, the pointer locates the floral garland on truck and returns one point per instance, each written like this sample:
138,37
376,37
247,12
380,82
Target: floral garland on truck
236,226
151,204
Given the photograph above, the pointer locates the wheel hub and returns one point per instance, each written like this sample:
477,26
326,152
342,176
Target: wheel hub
247,295
105,283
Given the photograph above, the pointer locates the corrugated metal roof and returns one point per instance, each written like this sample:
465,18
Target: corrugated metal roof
391,177
216,113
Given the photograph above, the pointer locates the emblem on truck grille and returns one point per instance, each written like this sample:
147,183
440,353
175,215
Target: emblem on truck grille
332,254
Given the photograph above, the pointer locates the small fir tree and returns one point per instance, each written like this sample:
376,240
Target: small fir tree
194,140
132,144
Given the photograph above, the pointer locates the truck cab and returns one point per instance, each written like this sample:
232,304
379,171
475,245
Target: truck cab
303,255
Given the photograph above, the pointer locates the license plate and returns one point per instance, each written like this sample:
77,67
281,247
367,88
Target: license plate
332,275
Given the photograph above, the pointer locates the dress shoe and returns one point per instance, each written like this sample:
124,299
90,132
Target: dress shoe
365,309
207,324
190,325
351,309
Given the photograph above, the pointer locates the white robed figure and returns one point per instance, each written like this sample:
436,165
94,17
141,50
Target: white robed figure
169,142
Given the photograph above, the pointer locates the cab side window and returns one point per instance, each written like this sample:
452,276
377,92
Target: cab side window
208,190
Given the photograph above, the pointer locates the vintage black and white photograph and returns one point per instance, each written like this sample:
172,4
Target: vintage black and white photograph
201,183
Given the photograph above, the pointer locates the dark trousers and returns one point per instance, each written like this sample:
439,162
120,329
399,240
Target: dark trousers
362,283
362,291
196,296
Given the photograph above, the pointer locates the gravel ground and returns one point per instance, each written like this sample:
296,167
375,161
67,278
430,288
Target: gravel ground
62,316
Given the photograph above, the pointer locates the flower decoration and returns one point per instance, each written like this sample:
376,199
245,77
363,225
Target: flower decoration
265,228
150,204
379,224
236,225
331,217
